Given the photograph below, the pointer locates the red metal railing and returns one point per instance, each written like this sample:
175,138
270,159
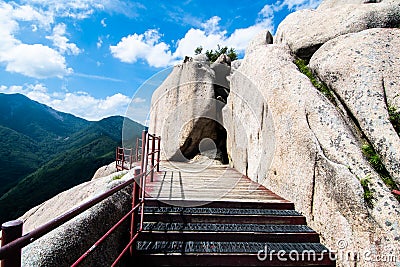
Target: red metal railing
124,158
138,150
13,242
154,153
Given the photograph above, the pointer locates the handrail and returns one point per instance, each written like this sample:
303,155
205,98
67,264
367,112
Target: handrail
120,158
98,242
154,152
138,201
53,224
101,239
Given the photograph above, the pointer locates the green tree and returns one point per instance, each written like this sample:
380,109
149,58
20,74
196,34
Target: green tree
232,54
198,50
213,55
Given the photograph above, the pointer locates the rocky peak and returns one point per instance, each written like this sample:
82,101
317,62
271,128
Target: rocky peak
326,4
306,30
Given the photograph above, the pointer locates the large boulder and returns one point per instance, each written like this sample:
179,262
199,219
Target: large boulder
65,244
185,109
333,3
363,70
105,170
222,70
285,134
223,59
306,30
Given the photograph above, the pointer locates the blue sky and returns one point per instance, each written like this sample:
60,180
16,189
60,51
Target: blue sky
91,57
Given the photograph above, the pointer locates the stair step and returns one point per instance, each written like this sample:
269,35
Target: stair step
223,215
201,227
284,205
181,247
231,260
227,232
219,211
238,219
194,253
229,236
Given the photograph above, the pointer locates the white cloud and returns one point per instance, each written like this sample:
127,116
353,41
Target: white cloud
103,22
143,46
28,13
211,35
97,77
62,42
138,100
80,104
266,12
195,38
99,42
211,26
297,4
81,9
74,9
86,106
149,47
37,61
33,60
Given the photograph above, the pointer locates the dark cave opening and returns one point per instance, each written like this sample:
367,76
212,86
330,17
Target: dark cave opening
208,138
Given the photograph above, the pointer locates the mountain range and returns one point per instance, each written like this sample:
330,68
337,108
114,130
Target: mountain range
44,152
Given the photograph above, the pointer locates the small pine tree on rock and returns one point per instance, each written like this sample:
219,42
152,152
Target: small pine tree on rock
213,55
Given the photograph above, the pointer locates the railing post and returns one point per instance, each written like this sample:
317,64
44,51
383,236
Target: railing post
137,150
116,158
122,158
130,158
135,200
11,231
147,153
153,154
144,157
158,153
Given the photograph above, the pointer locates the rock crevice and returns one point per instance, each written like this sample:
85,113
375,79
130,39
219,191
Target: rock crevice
187,108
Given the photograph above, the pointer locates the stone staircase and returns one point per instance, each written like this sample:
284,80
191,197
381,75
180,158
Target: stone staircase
223,233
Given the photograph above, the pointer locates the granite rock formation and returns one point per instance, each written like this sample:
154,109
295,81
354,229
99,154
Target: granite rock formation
306,30
285,134
186,108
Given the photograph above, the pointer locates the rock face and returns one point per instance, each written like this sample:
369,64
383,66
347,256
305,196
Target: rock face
306,30
105,170
363,70
65,244
285,134
223,59
332,3
186,108
235,65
